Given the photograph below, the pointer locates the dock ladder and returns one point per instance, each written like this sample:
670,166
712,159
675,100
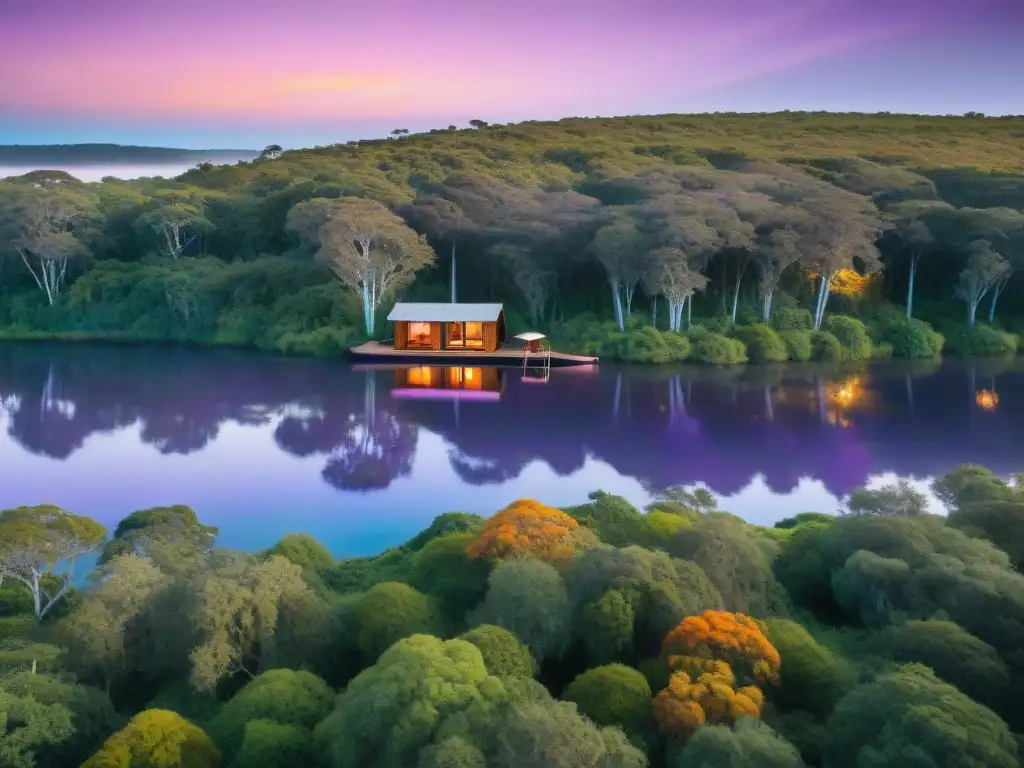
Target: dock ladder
543,364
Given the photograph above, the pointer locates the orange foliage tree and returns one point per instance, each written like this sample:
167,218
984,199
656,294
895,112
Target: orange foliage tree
722,636
704,692
526,527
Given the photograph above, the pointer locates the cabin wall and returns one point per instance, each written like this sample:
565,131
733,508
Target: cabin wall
401,334
490,337
435,336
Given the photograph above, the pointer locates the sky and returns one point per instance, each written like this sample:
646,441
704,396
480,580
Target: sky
247,73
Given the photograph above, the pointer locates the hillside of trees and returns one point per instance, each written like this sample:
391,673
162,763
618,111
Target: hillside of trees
652,239
596,636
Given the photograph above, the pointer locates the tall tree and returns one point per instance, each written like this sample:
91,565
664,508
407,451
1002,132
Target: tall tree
673,277
43,222
249,620
842,237
534,282
777,251
368,248
39,546
985,268
618,246
916,237
177,220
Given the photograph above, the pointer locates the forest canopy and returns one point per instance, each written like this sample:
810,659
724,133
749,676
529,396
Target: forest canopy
885,636
651,239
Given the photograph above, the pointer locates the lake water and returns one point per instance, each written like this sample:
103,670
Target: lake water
363,459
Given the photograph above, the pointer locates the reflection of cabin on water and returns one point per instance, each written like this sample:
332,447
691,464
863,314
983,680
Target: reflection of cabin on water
440,382
461,327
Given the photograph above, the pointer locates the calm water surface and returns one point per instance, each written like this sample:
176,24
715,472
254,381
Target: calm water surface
363,459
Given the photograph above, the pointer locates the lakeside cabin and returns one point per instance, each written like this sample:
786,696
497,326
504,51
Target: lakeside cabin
451,326
453,333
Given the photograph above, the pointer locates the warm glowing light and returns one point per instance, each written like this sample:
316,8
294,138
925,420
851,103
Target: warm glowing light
420,377
469,374
987,400
845,393
847,282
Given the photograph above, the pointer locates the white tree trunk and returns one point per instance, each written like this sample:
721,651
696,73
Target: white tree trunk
617,302
910,285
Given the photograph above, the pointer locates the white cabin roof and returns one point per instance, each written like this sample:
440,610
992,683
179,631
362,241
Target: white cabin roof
444,312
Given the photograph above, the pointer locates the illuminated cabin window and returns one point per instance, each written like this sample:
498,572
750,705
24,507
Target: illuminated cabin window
420,377
419,335
465,378
475,335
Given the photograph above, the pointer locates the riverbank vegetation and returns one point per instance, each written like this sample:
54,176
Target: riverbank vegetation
713,238
596,635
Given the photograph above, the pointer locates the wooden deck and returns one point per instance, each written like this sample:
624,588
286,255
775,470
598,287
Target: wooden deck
375,351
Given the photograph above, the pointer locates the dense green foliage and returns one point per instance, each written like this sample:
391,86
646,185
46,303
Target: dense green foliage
673,637
584,228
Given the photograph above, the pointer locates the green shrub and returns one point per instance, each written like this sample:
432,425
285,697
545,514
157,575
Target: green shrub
15,600
323,342
443,570
613,695
748,316
798,345
284,696
503,654
911,338
303,550
811,677
762,343
649,345
980,341
643,344
825,347
852,335
715,349
268,744
157,737
792,319
881,351
718,324
678,346
954,654
17,627
391,611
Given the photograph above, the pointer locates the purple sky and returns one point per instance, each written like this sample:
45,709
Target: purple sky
244,73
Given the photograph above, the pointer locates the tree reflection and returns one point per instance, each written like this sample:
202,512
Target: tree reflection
661,426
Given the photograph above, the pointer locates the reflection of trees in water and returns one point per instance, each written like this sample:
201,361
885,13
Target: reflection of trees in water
181,398
366,447
661,426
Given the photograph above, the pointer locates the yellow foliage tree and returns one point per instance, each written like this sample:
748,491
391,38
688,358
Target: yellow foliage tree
157,738
849,283
732,638
527,527
705,692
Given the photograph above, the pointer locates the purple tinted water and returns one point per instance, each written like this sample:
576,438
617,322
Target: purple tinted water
261,446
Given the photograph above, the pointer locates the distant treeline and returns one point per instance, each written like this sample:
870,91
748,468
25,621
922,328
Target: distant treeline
43,154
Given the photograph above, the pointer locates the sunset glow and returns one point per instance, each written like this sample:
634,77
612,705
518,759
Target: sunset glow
313,64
